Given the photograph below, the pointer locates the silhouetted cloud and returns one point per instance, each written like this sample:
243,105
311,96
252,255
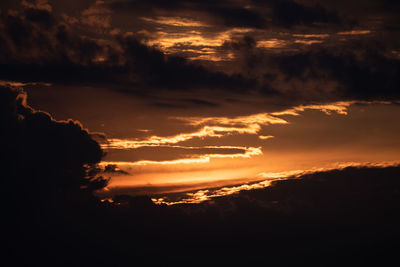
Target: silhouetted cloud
45,155
49,169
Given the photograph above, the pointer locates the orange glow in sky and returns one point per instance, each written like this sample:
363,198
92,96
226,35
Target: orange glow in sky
249,148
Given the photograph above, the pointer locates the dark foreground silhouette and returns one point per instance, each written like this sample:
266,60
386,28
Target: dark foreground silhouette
51,216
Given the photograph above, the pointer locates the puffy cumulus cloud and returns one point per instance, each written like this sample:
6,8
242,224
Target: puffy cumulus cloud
49,173
43,156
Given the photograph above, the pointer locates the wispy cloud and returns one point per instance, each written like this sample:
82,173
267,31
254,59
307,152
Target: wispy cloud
205,158
175,21
337,107
355,32
247,121
272,43
216,127
265,137
308,42
206,131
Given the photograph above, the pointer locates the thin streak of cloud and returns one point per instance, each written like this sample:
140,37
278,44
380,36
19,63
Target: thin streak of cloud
21,84
255,119
355,32
206,131
175,21
248,152
272,43
265,137
321,35
308,42
338,107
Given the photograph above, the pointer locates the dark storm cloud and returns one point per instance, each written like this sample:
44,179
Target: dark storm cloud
352,68
37,45
366,74
48,174
287,13
36,50
225,12
256,14
152,67
42,154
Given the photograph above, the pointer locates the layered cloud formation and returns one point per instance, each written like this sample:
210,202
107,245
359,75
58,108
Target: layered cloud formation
218,111
294,52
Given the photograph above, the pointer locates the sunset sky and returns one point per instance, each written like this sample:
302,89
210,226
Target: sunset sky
188,95
198,132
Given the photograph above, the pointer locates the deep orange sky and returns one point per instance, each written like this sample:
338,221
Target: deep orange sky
158,147
199,92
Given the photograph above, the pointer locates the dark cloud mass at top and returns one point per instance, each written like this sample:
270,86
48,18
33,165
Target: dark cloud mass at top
258,14
37,50
40,42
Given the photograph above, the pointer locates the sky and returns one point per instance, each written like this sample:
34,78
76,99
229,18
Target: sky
190,95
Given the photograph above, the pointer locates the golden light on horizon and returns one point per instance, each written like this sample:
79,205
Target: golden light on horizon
204,165
208,194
